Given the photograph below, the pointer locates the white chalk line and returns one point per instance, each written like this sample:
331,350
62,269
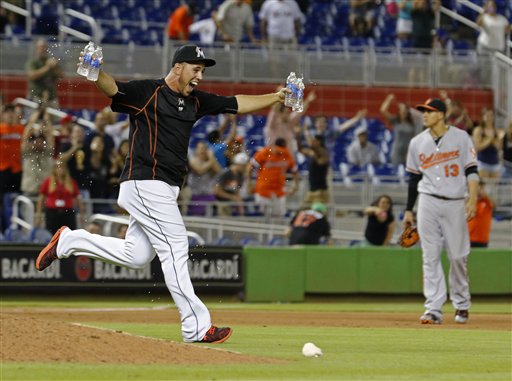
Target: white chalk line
152,338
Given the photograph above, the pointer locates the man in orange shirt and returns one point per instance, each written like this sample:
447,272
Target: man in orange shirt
272,163
480,225
179,22
11,132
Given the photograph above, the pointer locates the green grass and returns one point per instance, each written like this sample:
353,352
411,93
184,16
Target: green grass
425,353
349,354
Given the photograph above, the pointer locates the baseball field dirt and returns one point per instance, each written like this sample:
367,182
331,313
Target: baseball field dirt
60,336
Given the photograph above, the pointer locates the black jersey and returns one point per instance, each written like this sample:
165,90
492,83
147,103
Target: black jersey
161,122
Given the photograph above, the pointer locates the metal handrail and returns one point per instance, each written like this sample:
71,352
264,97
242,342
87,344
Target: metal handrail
52,111
96,30
109,220
29,213
23,12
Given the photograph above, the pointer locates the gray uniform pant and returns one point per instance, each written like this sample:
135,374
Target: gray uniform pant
156,226
440,220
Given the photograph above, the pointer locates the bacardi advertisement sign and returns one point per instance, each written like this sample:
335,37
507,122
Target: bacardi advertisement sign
215,267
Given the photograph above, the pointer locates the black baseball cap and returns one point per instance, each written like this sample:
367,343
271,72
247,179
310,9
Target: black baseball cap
191,54
432,104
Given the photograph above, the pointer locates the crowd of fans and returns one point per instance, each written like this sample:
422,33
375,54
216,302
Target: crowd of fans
58,162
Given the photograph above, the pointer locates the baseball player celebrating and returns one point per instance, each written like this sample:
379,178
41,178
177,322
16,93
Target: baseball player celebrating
162,113
440,161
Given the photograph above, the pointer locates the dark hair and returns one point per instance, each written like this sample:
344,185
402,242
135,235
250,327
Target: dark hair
213,136
280,142
376,202
9,107
321,139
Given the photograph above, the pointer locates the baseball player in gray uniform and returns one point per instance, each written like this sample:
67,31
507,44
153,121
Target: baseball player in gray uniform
162,113
442,165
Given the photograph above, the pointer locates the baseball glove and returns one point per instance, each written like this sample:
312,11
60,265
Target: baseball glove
409,236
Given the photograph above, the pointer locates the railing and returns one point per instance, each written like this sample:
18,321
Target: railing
24,204
502,85
52,111
109,221
66,30
25,12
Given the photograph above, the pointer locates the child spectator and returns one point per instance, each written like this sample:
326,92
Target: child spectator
480,225
309,227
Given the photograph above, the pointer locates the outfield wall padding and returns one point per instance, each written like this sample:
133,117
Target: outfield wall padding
275,274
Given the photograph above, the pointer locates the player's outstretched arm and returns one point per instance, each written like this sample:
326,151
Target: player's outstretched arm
107,84
250,103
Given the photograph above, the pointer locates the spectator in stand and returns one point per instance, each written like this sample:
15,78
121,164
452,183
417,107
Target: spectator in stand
280,22
480,225
381,222
487,145
204,169
102,119
423,17
94,228
309,227
117,164
206,28
229,185
234,147
405,124
59,194
281,123
121,231
507,152
11,134
423,34
63,134
404,22
361,151
99,172
362,17
493,30
456,115
36,152
180,21
118,130
318,169
233,17
219,146
43,73
272,163
74,156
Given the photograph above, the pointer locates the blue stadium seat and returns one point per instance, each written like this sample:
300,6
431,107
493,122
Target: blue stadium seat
40,235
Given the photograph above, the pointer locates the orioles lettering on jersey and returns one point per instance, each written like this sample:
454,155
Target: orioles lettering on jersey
437,158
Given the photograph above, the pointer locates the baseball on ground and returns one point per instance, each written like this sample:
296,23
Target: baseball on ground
311,350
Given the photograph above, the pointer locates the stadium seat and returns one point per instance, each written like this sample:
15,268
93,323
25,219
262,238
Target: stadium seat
40,235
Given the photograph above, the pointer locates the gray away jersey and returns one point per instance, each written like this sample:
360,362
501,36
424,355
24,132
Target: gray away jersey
442,166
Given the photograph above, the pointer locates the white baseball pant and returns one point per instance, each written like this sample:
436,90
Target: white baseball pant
437,220
155,225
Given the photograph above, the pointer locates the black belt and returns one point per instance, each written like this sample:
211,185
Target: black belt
444,198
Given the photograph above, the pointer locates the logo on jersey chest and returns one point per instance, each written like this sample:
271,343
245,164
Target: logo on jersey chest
436,158
181,104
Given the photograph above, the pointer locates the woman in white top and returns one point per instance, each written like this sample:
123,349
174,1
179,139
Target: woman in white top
493,30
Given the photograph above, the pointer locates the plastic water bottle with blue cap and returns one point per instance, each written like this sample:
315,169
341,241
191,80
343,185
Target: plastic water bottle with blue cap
291,85
83,67
299,98
96,59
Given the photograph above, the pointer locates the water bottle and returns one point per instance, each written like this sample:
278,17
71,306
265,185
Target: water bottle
289,99
83,68
299,98
94,70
